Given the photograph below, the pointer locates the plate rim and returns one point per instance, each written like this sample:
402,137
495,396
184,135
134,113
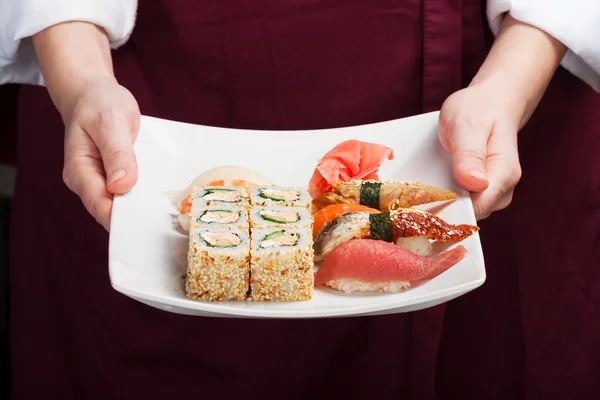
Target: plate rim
208,309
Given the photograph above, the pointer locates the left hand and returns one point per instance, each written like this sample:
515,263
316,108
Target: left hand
478,126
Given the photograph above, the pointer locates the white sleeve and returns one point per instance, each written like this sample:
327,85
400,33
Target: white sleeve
575,23
21,19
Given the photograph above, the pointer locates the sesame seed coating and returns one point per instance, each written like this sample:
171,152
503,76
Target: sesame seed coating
216,274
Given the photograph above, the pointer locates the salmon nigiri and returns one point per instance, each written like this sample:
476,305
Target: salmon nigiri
351,159
365,265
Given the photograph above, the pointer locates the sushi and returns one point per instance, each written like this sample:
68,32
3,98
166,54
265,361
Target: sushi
282,265
219,195
325,215
278,217
266,196
224,215
392,226
382,195
211,196
218,264
366,265
227,175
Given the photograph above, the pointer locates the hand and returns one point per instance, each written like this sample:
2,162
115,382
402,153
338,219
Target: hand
478,126
99,158
101,117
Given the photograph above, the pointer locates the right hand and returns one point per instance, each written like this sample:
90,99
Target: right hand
102,122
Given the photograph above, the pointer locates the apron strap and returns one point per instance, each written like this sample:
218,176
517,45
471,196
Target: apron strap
442,51
442,76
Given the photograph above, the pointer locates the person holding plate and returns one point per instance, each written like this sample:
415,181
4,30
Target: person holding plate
531,330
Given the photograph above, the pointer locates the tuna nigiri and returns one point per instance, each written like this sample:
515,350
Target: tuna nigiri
382,195
391,226
366,265
351,159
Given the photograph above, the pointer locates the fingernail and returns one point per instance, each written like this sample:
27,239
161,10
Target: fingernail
475,173
118,174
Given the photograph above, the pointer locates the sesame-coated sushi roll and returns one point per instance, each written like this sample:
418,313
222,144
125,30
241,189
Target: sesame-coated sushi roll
280,217
282,265
221,215
218,264
282,196
219,195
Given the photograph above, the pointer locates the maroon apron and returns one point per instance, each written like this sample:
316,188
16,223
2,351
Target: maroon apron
532,329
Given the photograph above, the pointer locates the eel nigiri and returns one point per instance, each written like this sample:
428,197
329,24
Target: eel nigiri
351,159
366,265
382,195
391,226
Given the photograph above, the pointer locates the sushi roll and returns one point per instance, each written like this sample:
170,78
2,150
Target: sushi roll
280,217
223,215
218,264
219,195
282,196
282,265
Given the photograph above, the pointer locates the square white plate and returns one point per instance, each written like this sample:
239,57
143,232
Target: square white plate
148,253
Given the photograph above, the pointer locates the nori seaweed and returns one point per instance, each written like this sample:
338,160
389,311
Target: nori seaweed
381,226
369,194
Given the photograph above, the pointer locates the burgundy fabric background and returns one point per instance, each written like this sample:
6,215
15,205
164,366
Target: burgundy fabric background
531,331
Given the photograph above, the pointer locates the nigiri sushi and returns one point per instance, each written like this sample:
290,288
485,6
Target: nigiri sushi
366,265
382,195
391,226
325,215
351,159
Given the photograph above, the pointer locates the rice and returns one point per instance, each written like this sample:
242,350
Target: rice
420,245
349,286
278,217
218,273
281,273
279,196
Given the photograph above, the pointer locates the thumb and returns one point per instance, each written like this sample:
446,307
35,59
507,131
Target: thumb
114,139
469,152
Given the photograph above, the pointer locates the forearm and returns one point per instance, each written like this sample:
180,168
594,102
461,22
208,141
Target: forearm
71,54
523,58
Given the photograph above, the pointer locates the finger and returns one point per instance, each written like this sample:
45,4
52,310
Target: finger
484,201
83,173
500,204
504,171
468,144
86,178
114,135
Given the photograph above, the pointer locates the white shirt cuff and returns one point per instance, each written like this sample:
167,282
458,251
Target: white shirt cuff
575,23
21,19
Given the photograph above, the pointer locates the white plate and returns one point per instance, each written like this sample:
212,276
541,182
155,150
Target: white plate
148,254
